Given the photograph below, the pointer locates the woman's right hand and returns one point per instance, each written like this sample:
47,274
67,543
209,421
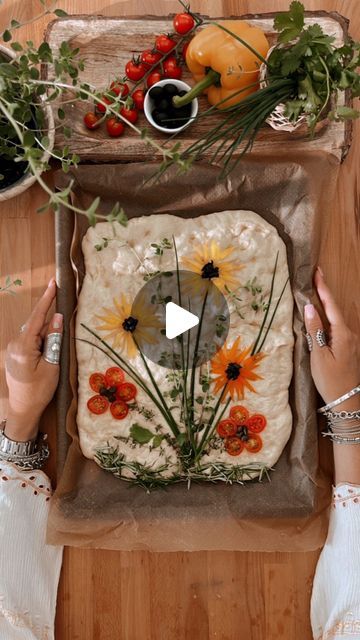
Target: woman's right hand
335,368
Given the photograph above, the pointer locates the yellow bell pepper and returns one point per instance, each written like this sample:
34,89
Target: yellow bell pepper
222,65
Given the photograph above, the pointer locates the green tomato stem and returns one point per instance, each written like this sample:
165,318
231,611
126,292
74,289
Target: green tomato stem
212,77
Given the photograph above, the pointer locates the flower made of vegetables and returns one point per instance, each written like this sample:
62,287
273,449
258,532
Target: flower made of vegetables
111,392
209,262
241,431
224,68
129,322
234,369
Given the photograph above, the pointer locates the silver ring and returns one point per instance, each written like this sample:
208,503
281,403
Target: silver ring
22,328
320,337
52,348
309,341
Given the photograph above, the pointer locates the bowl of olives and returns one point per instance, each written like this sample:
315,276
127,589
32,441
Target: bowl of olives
160,111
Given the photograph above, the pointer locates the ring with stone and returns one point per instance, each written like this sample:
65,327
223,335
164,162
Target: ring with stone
320,338
309,341
52,348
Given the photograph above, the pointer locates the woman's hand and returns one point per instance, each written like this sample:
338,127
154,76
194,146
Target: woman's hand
335,368
31,380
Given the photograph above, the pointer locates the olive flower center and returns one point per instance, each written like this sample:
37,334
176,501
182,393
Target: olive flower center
129,324
209,271
233,371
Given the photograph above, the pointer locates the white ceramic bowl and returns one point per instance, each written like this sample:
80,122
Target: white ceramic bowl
149,105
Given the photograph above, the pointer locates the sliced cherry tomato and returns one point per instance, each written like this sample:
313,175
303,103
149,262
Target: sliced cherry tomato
97,404
126,391
150,57
234,446
184,50
135,70
120,88
172,68
256,423
97,381
154,77
114,127
138,99
100,107
129,114
91,120
254,443
119,409
239,414
183,23
164,43
114,376
226,428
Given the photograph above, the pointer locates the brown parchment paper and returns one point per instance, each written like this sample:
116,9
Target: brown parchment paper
91,508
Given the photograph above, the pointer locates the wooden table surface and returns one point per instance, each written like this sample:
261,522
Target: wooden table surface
107,595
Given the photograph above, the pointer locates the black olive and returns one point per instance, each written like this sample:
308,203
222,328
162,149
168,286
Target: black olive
164,104
156,93
160,117
170,89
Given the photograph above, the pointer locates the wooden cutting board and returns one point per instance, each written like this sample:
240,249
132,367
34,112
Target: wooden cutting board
107,44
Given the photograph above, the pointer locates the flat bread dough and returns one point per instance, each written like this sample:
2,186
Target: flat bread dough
121,266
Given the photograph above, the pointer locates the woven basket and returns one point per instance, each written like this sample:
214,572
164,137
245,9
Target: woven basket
28,178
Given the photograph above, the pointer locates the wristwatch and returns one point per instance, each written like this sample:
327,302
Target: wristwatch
27,455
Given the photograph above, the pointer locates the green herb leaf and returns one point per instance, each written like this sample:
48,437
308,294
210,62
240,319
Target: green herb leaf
140,434
60,13
157,441
6,36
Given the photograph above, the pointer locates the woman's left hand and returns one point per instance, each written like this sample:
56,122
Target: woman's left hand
31,380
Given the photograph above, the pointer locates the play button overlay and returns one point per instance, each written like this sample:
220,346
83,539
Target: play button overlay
179,320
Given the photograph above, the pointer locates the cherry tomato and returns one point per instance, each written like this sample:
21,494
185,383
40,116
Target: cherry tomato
126,391
97,404
184,50
226,428
234,446
114,127
239,414
150,57
154,77
135,70
164,43
114,376
97,381
91,120
100,107
129,114
183,23
120,88
254,444
172,68
119,409
256,423
138,99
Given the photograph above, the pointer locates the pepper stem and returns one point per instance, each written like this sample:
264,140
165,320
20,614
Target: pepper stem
212,77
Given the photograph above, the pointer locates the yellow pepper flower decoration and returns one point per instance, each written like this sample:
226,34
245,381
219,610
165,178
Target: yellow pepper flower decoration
127,321
234,367
211,263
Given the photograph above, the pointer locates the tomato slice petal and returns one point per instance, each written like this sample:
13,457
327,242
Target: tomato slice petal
126,391
256,423
97,404
234,446
114,376
119,409
254,443
239,414
226,428
97,381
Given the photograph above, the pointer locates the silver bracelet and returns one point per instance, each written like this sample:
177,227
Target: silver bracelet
334,403
342,439
26,455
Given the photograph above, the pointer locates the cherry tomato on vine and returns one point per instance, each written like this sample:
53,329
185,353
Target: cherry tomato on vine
150,57
154,77
138,99
233,446
114,127
164,43
97,404
135,70
172,68
183,23
114,375
97,381
126,391
254,443
256,423
119,409
226,428
100,107
91,120
120,88
129,114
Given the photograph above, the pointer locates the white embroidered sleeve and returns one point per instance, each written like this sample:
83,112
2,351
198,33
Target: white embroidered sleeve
29,568
335,603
